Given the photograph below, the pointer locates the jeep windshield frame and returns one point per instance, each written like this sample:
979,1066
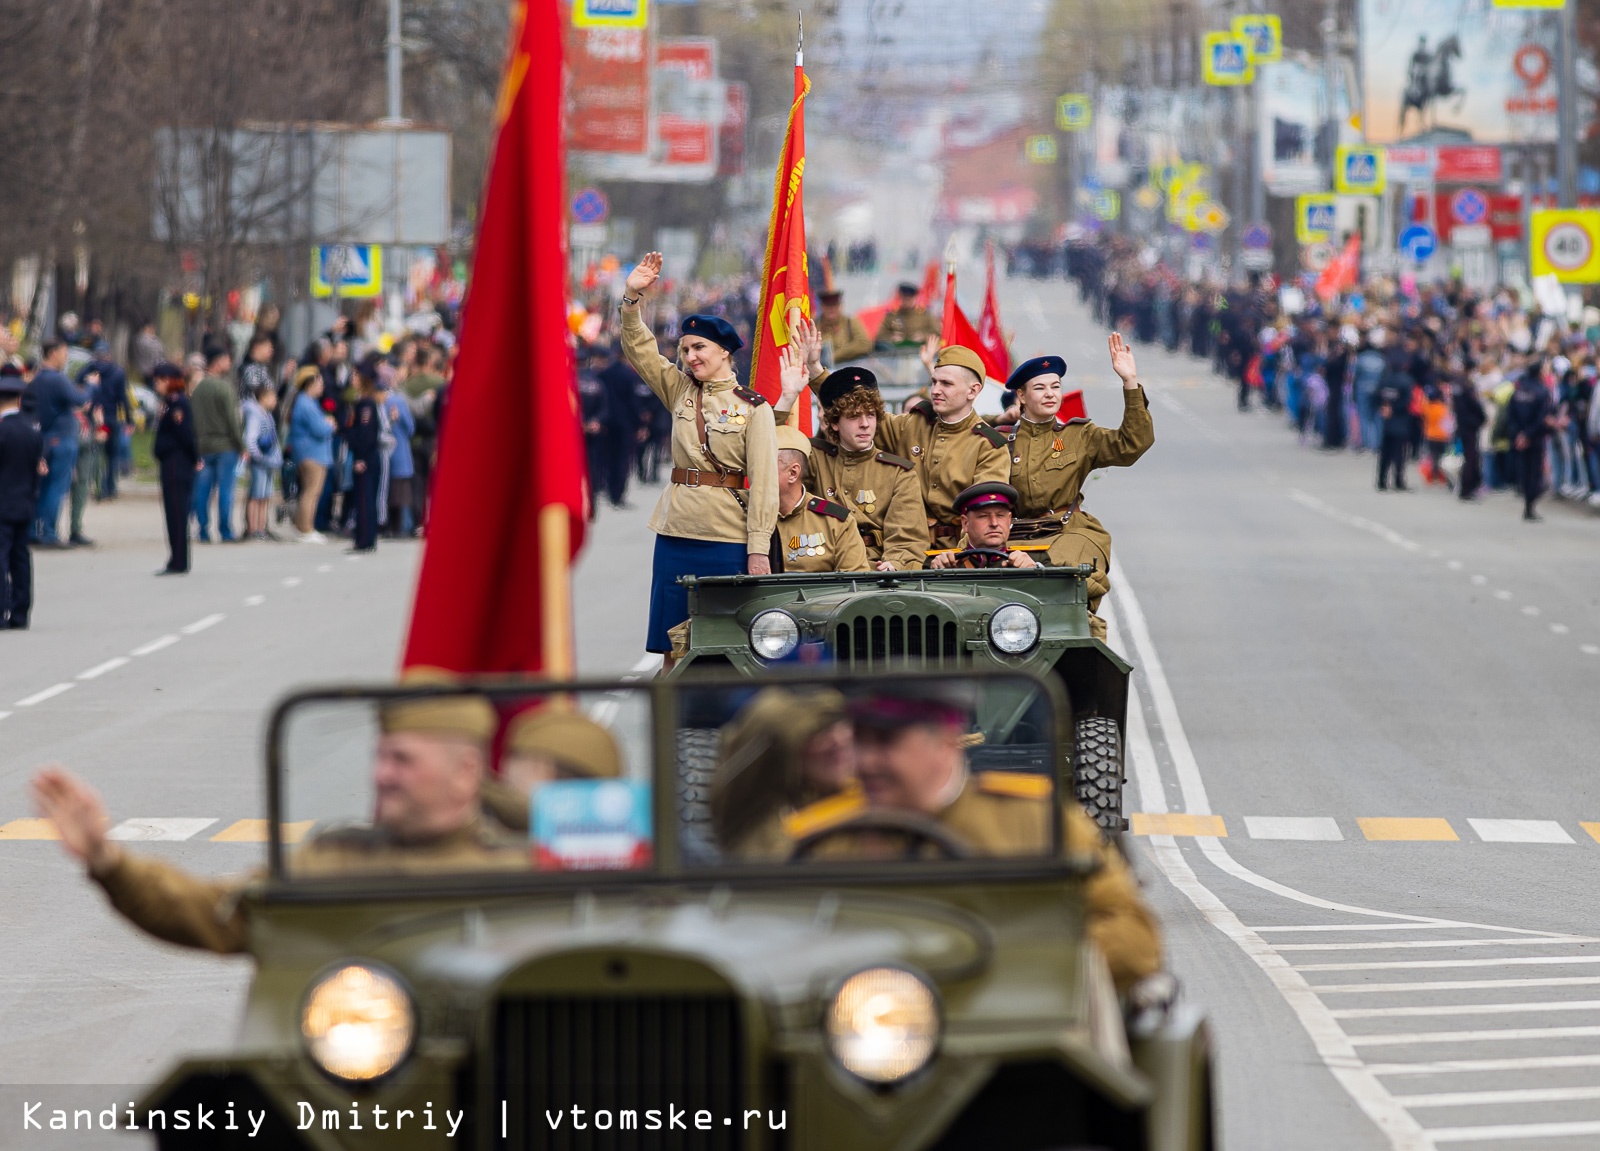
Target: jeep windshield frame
669,868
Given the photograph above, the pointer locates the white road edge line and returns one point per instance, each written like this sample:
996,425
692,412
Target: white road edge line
100,669
155,645
48,693
254,600
200,625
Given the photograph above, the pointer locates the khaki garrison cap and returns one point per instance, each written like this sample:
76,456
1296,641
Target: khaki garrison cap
793,439
962,358
574,741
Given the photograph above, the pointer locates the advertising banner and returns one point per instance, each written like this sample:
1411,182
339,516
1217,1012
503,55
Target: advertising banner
687,123
1291,106
609,90
1457,67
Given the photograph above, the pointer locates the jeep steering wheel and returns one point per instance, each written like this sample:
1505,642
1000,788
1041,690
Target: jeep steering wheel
982,558
919,829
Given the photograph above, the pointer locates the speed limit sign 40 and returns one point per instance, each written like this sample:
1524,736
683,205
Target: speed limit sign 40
1566,243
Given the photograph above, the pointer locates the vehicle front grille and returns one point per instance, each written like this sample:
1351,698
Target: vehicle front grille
871,641
618,1059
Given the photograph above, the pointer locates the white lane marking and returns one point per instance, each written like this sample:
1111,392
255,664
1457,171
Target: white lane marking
649,663
1505,1131
1454,565
1382,531
1559,628
1466,1009
1362,927
1434,553
1482,1036
1478,1098
100,669
48,693
605,712
1520,831
1321,828
352,559
1530,610
292,581
323,568
163,829
156,645
200,625
1518,941
4,714
1589,649
1509,961
1502,594
1480,580
1473,1066
1457,985
254,600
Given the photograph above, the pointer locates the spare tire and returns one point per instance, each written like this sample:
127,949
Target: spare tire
697,764
1097,772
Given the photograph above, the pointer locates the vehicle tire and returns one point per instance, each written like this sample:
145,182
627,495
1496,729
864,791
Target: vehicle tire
1097,771
697,763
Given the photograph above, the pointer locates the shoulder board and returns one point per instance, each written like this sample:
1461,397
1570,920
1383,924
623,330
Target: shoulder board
827,508
826,447
897,461
990,433
1014,784
823,814
1073,420
749,396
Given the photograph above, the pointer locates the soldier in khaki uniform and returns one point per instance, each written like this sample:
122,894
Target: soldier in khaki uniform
1051,459
431,761
951,446
907,323
542,746
910,757
845,335
813,534
986,518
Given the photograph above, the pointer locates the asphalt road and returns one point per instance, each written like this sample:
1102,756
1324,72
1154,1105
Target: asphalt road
1312,654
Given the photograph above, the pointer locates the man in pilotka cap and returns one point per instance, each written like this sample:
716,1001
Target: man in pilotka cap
813,534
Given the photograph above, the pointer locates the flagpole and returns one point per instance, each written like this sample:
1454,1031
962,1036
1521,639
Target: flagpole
793,316
555,591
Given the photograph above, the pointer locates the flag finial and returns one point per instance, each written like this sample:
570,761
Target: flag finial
800,38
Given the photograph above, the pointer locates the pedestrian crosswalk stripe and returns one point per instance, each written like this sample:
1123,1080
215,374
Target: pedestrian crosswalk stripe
1496,1035
255,831
1479,1098
1511,1132
1466,1009
159,829
1314,827
1402,830
1474,1066
1520,831
1177,823
29,829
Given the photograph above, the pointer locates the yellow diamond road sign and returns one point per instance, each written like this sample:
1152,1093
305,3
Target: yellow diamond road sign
1225,59
1208,216
1073,112
1265,34
1148,197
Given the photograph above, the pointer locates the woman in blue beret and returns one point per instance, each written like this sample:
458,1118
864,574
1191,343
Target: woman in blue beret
717,514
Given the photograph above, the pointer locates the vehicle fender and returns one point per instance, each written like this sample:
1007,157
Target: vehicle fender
1176,1056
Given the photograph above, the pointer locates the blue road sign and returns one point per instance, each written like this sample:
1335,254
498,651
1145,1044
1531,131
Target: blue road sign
590,206
1203,242
1256,236
1418,242
1469,206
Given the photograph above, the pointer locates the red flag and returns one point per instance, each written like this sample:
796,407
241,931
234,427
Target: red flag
991,336
930,286
1343,272
494,593
957,329
785,285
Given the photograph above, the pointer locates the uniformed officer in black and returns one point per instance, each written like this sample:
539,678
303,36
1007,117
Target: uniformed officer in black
178,452
21,448
362,438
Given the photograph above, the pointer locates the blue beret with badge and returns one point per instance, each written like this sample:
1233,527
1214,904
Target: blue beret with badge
713,328
1038,366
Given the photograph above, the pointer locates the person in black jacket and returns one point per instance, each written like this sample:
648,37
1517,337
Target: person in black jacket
1393,401
361,437
1531,419
21,450
1470,418
177,450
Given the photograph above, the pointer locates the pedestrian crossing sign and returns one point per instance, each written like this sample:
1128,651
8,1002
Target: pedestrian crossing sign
1225,59
1314,217
1041,149
355,270
1359,170
1265,36
1107,204
1073,112
610,13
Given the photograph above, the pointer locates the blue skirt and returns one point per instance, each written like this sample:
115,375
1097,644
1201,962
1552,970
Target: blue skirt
678,556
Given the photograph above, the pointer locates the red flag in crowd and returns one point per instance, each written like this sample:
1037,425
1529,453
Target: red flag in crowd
785,286
494,594
957,329
991,335
930,285
1343,272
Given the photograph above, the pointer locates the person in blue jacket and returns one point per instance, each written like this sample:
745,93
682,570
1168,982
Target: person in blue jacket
311,445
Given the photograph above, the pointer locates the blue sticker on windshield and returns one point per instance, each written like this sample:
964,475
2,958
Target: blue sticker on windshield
591,825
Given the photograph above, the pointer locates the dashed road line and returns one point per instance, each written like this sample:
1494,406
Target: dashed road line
1313,828
200,625
48,693
156,645
100,669
292,581
324,568
254,600
1520,831
169,830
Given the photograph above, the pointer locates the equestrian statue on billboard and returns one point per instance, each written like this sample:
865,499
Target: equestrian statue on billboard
1428,79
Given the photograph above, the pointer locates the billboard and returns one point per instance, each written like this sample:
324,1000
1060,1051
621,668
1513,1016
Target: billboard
609,90
1291,107
1459,68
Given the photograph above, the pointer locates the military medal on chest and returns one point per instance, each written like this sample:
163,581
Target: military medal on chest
1056,447
867,500
804,544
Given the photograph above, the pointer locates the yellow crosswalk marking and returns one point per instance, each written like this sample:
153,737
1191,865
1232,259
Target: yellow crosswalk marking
255,831
1408,829
1593,829
1177,823
29,829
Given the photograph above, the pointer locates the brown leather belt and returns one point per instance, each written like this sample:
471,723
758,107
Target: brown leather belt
1042,527
692,478
939,531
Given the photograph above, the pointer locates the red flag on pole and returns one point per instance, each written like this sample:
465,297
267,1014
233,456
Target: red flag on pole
1343,272
991,336
494,593
957,329
785,285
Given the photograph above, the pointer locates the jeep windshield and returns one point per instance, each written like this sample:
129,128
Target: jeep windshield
586,783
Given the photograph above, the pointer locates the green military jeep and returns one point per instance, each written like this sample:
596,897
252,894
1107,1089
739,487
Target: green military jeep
586,983
1028,619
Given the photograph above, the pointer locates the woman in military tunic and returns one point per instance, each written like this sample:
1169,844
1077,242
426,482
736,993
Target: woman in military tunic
717,514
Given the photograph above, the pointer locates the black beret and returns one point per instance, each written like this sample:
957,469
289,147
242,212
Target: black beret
713,328
1038,366
10,386
166,371
10,368
993,492
830,296
844,381
909,289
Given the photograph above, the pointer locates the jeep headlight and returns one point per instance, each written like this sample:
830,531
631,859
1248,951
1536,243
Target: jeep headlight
883,1024
774,634
1014,629
358,1023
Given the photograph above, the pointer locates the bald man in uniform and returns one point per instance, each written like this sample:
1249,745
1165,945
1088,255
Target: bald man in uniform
430,762
813,534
